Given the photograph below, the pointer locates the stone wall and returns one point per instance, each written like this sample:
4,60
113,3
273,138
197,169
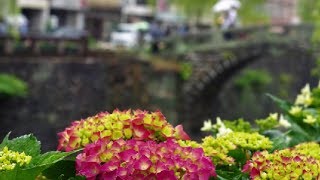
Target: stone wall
65,89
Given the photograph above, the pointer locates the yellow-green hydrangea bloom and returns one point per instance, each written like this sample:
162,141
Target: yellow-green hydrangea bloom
10,159
309,149
189,143
218,148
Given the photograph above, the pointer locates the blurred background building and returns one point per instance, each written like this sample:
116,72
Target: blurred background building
36,12
283,11
133,9
101,17
68,12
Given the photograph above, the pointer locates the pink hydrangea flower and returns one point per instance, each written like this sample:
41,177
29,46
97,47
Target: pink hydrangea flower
140,125
135,159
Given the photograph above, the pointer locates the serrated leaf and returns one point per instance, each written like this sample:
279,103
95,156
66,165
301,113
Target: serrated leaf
40,164
49,158
27,144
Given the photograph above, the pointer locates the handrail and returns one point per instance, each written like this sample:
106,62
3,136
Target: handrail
37,44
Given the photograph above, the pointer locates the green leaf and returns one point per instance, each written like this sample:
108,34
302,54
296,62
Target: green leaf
62,170
11,85
49,158
279,142
234,174
8,175
77,178
284,105
39,162
239,155
27,144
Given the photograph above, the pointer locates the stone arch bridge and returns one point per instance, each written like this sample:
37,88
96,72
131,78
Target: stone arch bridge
212,65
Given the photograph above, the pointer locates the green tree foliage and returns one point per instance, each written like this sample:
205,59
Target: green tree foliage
194,9
253,12
253,79
8,7
309,10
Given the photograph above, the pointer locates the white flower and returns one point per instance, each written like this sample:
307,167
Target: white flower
273,116
222,130
284,122
295,110
306,90
309,119
304,99
207,125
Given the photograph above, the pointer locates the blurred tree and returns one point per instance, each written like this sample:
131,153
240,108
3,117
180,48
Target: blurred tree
8,7
195,9
309,11
253,12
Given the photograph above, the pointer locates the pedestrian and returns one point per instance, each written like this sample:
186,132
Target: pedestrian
156,35
229,22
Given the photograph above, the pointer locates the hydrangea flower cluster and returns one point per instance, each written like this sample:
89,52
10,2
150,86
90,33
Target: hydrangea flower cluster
189,143
10,159
218,148
309,149
135,159
140,125
268,123
284,164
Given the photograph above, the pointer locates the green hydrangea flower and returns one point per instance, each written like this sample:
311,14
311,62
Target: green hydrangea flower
189,143
238,125
309,149
10,159
218,148
270,122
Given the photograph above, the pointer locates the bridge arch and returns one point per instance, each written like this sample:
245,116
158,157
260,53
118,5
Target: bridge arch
213,67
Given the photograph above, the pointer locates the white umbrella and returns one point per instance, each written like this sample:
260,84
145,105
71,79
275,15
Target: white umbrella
225,5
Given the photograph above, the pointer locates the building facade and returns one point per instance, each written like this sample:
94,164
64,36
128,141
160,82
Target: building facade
69,13
102,17
36,12
283,11
132,9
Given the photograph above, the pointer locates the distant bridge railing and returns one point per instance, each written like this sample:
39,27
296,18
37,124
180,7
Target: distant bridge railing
42,45
183,44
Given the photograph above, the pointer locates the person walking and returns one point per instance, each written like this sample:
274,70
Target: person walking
230,20
156,35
